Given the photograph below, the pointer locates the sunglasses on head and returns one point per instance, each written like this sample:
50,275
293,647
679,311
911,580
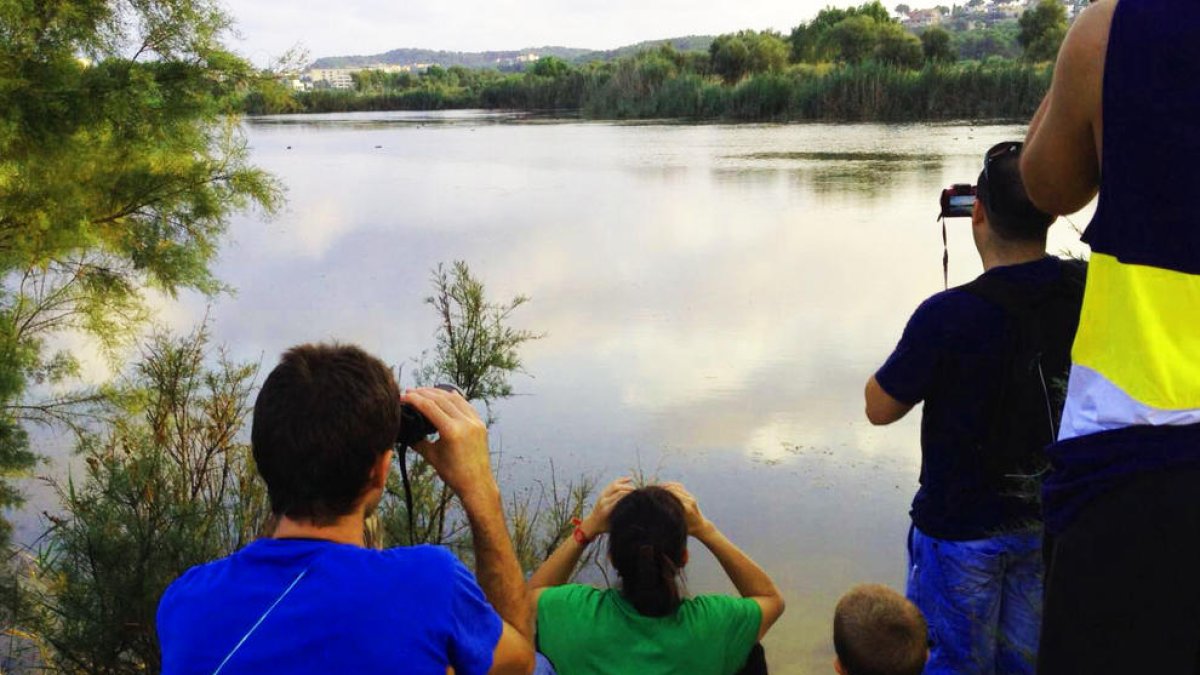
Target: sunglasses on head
999,151
996,152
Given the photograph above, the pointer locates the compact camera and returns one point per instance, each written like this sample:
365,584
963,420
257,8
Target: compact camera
958,201
414,426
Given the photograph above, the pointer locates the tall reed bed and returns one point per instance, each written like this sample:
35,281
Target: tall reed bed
659,89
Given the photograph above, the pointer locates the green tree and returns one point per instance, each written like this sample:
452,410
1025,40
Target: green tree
730,57
1043,28
996,40
170,484
855,38
898,47
768,52
550,66
875,10
475,347
903,9
120,164
747,52
808,40
935,43
478,351
812,43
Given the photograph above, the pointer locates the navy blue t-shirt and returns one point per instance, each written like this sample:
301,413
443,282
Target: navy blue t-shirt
348,610
951,356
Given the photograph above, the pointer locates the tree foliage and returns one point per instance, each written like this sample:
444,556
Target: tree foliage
898,47
1043,28
478,350
853,35
550,66
120,163
167,485
935,44
747,52
854,38
996,41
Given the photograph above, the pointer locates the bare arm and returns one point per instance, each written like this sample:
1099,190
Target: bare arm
1060,164
557,569
882,408
499,575
496,565
513,654
460,457
748,578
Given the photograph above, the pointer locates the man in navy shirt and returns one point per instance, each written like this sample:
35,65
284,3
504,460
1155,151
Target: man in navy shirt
975,563
312,598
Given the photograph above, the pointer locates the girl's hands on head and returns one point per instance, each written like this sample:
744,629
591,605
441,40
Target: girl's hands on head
597,521
697,524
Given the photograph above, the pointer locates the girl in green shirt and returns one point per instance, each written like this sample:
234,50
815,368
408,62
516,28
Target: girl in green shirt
646,626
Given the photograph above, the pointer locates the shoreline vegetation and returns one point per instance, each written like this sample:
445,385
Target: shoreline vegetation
858,64
646,87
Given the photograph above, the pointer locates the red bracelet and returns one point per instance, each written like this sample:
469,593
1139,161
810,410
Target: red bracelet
579,535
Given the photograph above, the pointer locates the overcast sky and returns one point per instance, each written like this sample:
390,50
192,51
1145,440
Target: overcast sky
343,27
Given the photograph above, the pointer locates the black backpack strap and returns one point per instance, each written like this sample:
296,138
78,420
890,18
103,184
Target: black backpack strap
1019,301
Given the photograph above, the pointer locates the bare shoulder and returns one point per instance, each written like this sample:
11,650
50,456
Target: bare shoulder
1086,43
1061,160
1079,76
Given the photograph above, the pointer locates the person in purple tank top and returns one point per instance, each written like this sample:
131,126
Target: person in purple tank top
1122,119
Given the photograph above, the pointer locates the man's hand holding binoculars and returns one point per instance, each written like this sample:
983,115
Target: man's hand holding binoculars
460,455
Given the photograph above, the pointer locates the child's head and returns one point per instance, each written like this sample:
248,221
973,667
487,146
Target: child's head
876,631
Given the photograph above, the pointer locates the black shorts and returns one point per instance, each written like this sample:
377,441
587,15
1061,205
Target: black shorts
1123,587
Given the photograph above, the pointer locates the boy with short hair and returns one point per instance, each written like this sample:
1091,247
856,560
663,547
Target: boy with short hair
877,631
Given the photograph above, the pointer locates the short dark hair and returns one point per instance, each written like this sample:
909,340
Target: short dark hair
647,537
321,420
1009,211
876,631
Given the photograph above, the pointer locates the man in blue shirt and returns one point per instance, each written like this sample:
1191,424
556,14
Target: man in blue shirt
975,562
312,598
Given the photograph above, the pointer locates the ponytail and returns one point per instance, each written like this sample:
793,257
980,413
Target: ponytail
647,540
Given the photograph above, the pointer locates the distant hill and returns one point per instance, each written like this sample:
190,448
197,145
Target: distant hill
411,57
688,43
504,59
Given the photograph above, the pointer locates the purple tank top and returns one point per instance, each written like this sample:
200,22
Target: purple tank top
1149,209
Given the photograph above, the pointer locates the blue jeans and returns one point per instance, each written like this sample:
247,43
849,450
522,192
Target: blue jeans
543,667
982,599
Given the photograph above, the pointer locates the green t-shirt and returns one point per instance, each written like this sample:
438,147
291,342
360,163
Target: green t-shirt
585,630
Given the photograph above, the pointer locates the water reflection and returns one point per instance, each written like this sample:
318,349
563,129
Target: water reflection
714,298
416,118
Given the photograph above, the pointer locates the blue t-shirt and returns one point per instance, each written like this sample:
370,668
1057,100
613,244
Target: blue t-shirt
348,610
951,356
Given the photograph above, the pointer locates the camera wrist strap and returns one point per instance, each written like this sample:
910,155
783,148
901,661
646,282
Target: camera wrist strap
408,499
945,256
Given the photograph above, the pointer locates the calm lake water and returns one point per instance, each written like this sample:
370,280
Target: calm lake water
713,299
